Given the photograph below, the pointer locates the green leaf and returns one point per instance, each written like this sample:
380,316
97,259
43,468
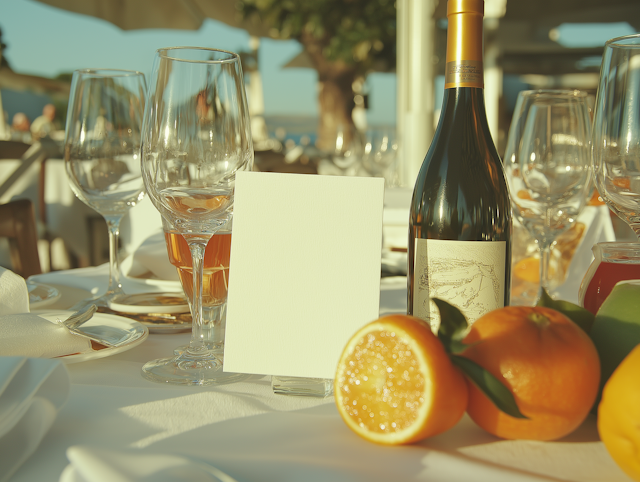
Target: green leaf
493,388
580,316
453,324
453,328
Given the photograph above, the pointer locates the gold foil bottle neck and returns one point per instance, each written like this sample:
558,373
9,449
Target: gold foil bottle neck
464,44
462,6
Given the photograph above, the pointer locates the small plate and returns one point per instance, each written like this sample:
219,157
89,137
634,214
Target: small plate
124,330
159,312
41,295
146,303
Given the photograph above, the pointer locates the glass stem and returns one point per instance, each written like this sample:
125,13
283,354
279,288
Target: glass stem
545,259
113,224
197,344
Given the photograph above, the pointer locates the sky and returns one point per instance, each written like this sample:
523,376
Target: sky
46,41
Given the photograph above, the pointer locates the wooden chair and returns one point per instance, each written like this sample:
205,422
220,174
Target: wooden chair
38,152
18,224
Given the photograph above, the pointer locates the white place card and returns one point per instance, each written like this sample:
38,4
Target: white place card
304,272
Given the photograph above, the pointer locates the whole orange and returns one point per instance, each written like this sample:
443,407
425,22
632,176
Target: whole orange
619,414
549,363
395,383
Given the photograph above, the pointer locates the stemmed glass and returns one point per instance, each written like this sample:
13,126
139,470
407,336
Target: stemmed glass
102,152
215,280
347,152
616,129
548,165
196,136
380,150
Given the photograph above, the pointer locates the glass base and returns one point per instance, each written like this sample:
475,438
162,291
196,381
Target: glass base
216,348
302,387
187,370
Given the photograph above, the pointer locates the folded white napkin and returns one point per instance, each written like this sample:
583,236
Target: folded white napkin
14,295
27,334
32,391
93,464
151,258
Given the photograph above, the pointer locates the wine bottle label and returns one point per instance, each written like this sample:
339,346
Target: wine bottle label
466,274
464,73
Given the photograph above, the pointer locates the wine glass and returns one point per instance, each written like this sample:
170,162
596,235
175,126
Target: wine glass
379,152
548,165
102,152
196,137
215,279
616,129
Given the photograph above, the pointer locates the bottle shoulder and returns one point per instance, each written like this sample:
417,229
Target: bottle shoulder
463,128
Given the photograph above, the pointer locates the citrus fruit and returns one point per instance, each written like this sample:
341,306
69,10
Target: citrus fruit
547,361
395,382
616,329
528,269
619,415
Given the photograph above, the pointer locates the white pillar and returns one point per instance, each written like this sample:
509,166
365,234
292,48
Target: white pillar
492,88
415,84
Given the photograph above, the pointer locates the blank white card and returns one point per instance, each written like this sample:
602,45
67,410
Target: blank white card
304,272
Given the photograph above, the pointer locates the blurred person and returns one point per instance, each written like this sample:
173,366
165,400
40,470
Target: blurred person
20,128
43,125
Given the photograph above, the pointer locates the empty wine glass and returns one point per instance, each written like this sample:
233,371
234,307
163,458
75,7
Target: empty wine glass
102,152
347,152
196,137
616,129
380,150
547,163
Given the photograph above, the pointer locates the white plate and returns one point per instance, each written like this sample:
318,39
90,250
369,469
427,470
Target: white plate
119,328
166,312
41,295
145,303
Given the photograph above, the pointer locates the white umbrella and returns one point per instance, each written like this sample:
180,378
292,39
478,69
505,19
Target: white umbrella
174,14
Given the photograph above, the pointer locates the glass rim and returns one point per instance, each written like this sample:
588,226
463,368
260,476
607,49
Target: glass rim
108,72
551,93
232,56
619,245
625,41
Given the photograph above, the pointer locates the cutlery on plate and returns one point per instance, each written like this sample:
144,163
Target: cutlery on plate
79,317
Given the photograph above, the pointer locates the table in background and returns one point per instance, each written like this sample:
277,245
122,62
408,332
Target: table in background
70,219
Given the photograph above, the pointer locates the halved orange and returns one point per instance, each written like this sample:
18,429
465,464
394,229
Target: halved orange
395,383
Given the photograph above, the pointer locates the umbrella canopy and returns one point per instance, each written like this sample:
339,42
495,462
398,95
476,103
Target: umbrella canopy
172,14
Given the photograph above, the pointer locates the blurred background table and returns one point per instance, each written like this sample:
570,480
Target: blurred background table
71,233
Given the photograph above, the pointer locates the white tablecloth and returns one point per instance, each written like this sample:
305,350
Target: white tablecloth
254,435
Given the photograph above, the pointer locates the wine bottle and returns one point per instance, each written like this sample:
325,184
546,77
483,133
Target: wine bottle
460,215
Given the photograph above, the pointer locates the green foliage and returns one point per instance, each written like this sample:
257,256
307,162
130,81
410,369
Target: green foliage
580,316
360,33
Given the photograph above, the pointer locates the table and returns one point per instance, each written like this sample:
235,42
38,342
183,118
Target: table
254,435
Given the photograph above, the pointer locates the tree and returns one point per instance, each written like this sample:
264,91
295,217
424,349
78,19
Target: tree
3,60
344,40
